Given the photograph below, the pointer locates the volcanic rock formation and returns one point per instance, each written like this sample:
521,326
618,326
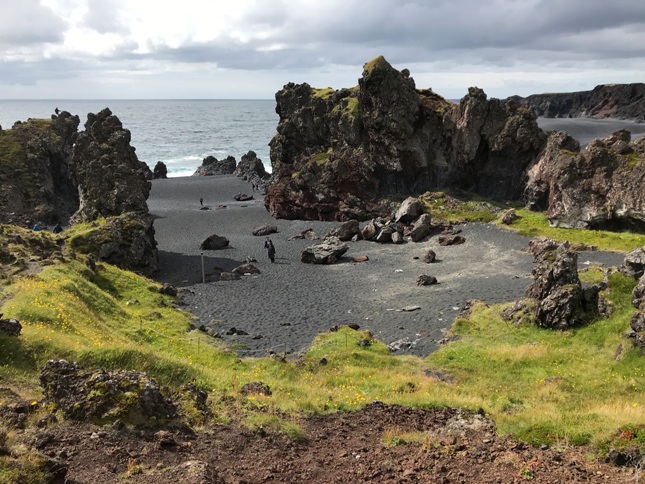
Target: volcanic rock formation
49,173
599,188
339,155
354,153
36,180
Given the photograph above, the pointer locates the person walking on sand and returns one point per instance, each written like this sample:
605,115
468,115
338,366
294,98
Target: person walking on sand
268,245
201,201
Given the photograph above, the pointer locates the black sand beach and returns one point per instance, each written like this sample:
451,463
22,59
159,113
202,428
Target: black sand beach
289,303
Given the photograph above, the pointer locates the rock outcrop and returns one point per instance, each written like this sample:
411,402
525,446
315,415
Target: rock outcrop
160,171
339,155
104,395
212,166
251,169
355,153
36,179
599,188
603,101
560,300
113,185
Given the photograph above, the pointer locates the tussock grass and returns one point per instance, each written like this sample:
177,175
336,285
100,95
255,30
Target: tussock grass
540,385
545,386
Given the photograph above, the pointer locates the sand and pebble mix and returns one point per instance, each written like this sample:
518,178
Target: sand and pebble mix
285,306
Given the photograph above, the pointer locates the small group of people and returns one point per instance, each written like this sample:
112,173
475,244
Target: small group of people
57,228
268,245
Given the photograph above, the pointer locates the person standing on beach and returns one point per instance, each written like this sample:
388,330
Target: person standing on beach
268,245
201,201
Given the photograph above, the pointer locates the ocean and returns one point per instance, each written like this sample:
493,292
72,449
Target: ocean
181,133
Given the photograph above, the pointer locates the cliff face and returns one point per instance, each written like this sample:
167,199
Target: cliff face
349,154
599,188
36,180
343,154
624,101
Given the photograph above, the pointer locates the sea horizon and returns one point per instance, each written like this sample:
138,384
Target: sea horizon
181,133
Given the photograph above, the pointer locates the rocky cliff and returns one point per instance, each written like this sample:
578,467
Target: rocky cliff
36,180
50,172
343,154
599,188
624,101
350,153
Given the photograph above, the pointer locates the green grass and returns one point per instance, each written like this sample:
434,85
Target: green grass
546,386
535,224
539,385
442,206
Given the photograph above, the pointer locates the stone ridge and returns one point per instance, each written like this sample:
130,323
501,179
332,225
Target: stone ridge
623,101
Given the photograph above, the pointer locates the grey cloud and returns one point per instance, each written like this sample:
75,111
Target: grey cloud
105,17
26,22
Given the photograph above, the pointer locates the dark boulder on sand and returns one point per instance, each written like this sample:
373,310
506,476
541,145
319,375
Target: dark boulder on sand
160,171
329,251
214,242
265,230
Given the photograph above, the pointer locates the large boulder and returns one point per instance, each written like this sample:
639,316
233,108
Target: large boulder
214,242
347,230
410,210
329,251
104,395
421,228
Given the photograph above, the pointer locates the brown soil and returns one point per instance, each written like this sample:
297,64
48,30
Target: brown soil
456,447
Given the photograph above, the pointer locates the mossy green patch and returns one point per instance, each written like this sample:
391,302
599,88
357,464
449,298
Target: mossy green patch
535,224
442,206
323,93
377,63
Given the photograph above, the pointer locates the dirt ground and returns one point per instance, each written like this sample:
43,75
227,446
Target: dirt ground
454,447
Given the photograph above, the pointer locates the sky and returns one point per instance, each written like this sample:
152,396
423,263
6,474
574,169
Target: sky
249,49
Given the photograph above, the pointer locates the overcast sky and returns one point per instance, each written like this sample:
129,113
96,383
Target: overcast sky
248,49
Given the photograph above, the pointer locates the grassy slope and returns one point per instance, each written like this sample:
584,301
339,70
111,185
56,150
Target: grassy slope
540,385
